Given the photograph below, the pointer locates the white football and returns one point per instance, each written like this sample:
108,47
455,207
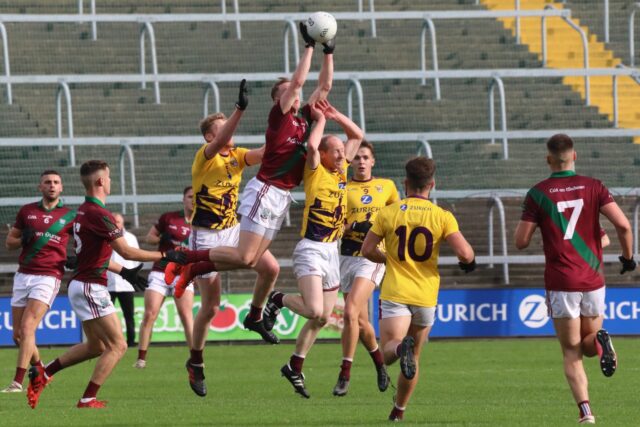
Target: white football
322,26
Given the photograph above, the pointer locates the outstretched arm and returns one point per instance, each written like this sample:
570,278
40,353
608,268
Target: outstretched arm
354,133
297,81
313,155
228,129
254,157
325,80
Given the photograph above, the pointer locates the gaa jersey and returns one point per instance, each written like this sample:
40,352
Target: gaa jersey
412,230
93,231
215,184
285,151
46,253
364,200
566,207
325,203
178,228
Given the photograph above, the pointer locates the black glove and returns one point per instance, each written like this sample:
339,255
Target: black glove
308,40
179,257
165,238
27,235
627,264
467,268
361,227
329,46
243,96
131,275
71,263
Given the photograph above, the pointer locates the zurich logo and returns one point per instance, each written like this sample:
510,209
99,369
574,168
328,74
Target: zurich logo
342,185
403,207
366,199
533,311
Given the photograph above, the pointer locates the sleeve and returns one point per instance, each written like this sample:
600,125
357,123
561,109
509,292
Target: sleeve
20,223
106,227
450,224
161,224
199,161
378,224
393,193
275,117
530,209
604,196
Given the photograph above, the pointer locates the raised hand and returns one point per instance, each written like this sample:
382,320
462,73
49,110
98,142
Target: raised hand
308,40
329,46
243,96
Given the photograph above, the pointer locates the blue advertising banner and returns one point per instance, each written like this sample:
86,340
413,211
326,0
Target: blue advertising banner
520,312
59,326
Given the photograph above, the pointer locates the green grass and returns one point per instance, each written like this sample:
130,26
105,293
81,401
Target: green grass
475,382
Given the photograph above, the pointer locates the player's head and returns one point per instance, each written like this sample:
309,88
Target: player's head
50,185
364,161
211,125
420,175
331,150
561,154
95,176
278,90
119,220
187,200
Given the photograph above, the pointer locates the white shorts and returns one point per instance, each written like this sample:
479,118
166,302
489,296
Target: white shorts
264,204
420,316
90,300
572,305
31,286
312,258
157,284
357,266
208,239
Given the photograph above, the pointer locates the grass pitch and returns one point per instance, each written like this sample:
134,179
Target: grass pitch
477,382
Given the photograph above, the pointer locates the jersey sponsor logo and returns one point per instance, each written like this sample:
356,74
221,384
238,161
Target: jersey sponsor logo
366,199
533,311
342,185
403,207
294,140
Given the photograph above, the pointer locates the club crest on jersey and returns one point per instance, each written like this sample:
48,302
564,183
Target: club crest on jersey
379,188
403,207
233,162
366,199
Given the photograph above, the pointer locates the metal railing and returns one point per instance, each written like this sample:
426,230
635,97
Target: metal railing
211,86
632,17
497,81
126,150
63,88
496,202
428,24
147,29
585,48
605,21
5,54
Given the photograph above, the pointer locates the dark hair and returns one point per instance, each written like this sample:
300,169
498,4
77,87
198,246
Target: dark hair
88,168
186,189
50,172
420,171
274,89
367,144
206,123
559,144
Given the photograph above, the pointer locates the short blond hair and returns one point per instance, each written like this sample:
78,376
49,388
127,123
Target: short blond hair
206,123
276,86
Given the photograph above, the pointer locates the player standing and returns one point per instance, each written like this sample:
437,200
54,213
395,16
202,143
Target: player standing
316,261
567,209
95,234
366,195
171,230
412,230
42,230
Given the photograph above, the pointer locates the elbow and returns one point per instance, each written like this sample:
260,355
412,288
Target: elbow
623,228
297,82
521,244
325,87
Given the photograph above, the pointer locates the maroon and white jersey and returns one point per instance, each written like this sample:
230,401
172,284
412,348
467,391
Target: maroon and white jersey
176,226
285,151
46,253
93,230
566,207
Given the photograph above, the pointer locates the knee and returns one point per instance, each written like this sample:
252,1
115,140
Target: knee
351,315
149,317
271,271
119,347
320,321
209,312
248,259
96,348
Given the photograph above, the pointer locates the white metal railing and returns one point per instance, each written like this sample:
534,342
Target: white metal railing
290,29
374,32
5,54
496,202
63,88
605,21
211,86
429,25
497,81
126,150
355,84
632,17
585,49
147,29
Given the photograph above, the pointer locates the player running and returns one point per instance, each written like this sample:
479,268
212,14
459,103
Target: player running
316,261
366,195
95,235
412,230
266,198
42,230
567,208
170,231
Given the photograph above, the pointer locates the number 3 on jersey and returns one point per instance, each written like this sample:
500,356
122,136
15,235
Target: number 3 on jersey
576,205
403,245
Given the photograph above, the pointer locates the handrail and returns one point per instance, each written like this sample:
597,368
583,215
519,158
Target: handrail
632,17
236,11
94,25
374,32
147,28
517,7
5,54
63,87
496,201
585,49
126,149
211,86
355,83
424,147
503,113
290,28
428,24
